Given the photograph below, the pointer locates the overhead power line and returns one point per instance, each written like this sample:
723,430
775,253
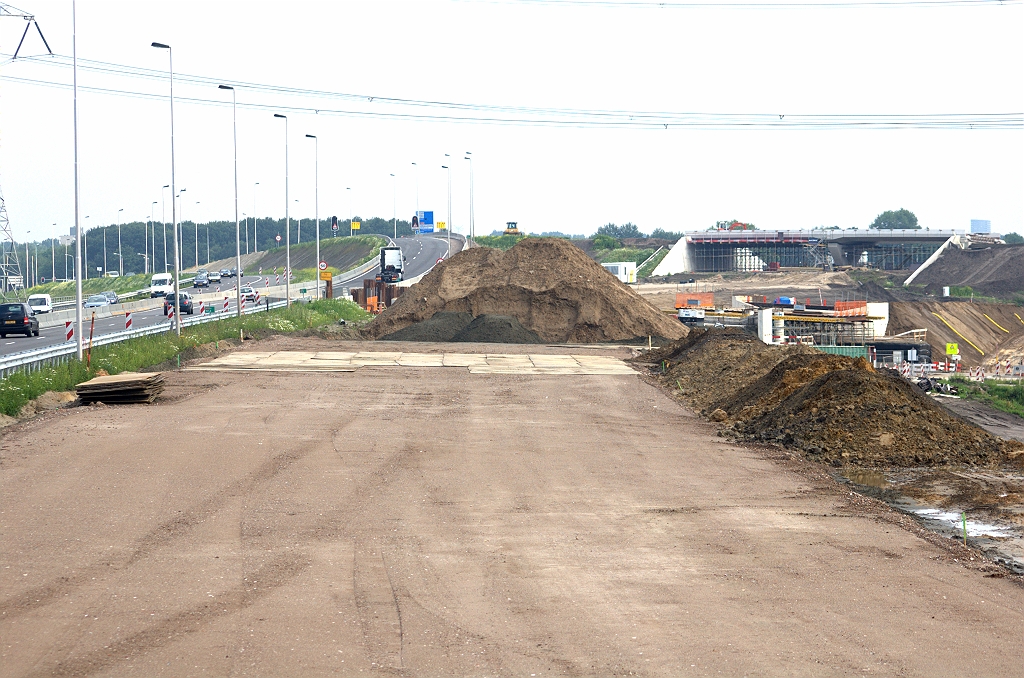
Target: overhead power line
393,108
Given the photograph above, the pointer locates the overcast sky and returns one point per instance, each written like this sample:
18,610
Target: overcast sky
773,60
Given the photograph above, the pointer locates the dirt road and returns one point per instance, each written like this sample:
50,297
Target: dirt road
428,521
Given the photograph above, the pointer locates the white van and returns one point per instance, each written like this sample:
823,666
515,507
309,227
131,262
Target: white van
161,285
40,303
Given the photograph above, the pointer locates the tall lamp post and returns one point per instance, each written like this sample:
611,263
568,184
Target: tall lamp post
472,220
448,226
151,229
417,188
349,188
174,209
287,221
85,245
394,203
163,220
120,269
316,204
299,220
238,236
195,222
78,225
181,230
255,238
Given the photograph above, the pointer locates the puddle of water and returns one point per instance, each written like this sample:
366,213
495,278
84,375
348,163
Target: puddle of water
974,528
866,477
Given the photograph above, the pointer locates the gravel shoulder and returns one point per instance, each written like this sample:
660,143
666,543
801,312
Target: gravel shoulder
426,521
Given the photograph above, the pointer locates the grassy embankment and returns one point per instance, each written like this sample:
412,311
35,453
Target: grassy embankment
1002,395
128,356
93,286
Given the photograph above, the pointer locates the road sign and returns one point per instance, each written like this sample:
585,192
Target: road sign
439,260
952,349
323,265
326,275
812,241
441,225
278,237
356,225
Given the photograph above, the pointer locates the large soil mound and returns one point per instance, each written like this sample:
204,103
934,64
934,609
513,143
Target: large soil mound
548,285
501,329
834,408
996,271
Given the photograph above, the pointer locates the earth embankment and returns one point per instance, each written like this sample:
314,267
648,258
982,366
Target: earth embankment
996,271
549,286
985,333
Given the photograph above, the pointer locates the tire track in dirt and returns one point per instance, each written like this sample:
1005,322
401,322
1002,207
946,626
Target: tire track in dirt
264,581
164,533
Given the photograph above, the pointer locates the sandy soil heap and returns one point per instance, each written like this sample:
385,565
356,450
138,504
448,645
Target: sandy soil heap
988,333
548,285
996,271
835,409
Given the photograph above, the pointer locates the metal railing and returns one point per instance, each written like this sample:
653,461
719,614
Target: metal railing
36,359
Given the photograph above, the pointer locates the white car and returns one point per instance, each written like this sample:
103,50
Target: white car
40,303
248,294
214,276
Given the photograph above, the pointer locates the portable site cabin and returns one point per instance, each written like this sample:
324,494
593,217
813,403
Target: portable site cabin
623,270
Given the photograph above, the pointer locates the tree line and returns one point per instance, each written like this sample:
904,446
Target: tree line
216,240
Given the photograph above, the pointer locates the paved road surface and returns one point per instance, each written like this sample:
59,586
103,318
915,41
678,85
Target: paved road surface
50,336
421,254
432,522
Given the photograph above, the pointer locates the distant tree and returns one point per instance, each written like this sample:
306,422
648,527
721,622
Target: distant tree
1013,239
732,225
896,220
665,235
605,242
626,230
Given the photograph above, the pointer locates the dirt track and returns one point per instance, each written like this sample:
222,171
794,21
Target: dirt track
426,521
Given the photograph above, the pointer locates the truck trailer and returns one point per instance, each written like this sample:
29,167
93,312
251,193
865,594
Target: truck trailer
392,264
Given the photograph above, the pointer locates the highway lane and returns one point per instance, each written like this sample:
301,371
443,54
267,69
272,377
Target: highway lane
51,336
421,254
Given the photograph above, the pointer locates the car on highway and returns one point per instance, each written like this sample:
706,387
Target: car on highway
111,296
162,285
17,319
248,293
214,276
236,272
40,303
201,280
184,303
225,273
97,301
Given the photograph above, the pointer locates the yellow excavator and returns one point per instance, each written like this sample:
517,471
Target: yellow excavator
511,228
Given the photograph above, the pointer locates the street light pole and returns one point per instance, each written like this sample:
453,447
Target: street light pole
394,203
104,251
120,269
174,209
448,226
316,204
287,221
298,240
163,220
349,188
150,228
53,257
78,225
472,219
238,236
195,222
255,238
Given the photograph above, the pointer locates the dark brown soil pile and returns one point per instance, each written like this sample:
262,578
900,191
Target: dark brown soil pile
836,409
548,284
869,418
996,271
500,329
439,327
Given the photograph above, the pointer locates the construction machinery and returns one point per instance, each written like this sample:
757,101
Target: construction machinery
511,228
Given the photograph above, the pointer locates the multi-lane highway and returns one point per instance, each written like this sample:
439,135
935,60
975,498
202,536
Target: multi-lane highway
421,253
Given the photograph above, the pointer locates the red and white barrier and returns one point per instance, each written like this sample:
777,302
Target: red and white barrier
225,304
127,320
257,302
277,279
69,330
243,304
977,374
267,281
202,307
170,313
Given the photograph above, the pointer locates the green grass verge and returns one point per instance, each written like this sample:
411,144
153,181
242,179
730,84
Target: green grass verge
93,286
499,242
128,356
1002,395
624,254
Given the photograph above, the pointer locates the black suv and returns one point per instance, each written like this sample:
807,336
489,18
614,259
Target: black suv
184,302
17,319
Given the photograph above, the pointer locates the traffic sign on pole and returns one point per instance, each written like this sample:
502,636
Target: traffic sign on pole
323,265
